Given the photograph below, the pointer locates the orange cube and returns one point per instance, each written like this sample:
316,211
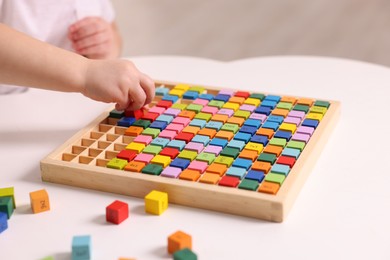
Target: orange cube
269,187
189,175
179,240
39,201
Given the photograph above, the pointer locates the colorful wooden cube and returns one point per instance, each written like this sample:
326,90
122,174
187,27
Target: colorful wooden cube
156,202
39,201
185,254
3,221
9,191
137,114
6,205
48,258
179,240
117,212
81,248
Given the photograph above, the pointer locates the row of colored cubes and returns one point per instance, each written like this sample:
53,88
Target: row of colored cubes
225,117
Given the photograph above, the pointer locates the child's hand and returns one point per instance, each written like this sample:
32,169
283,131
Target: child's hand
95,38
118,81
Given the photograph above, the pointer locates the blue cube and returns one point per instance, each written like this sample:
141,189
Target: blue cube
81,248
3,221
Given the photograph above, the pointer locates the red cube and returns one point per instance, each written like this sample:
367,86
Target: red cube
117,212
137,114
128,155
164,103
229,181
243,94
169,151
186,137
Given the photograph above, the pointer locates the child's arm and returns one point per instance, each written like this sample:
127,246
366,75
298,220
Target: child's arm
95,38
29,62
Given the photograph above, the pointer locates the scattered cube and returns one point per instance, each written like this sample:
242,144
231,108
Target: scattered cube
48,258
81,247
156,202
9,191
6,205
179,240
117,212
185,254
3,221
39,201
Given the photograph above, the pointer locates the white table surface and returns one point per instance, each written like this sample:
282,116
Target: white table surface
342,212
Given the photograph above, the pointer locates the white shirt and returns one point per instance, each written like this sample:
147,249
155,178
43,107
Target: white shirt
49,20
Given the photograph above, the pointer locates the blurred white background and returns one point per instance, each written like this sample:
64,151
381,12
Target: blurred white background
231,29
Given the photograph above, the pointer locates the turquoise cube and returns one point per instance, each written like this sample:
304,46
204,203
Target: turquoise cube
81,248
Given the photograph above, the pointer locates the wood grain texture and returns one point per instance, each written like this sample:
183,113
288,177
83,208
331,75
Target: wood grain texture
82,171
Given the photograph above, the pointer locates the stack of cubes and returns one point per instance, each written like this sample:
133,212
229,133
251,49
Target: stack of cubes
7,206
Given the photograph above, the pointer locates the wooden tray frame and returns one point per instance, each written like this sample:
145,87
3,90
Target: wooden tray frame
212,197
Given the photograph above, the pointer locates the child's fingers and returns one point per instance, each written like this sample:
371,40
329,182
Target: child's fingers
135,100
87,26
148,86
94,51
90,41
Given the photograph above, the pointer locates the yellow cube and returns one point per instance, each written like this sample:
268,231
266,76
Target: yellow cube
176,92
314,116
162,160
254,147
9,191
156,202
184,87
252,101
231,105
138,147
39,201
288,127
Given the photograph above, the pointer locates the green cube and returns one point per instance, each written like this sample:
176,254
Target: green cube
142,123
152,149
154,132
9,191
224,160
6,205
257,96
230,152
197,89
284,105
203,116
206,157
117,114
153,169
318,110
275,177
296,145
278,141
116,163
187,154
303,108
216,103
230,127
179,106
267,157
194,107
248,184
322,103
242,113
184,254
